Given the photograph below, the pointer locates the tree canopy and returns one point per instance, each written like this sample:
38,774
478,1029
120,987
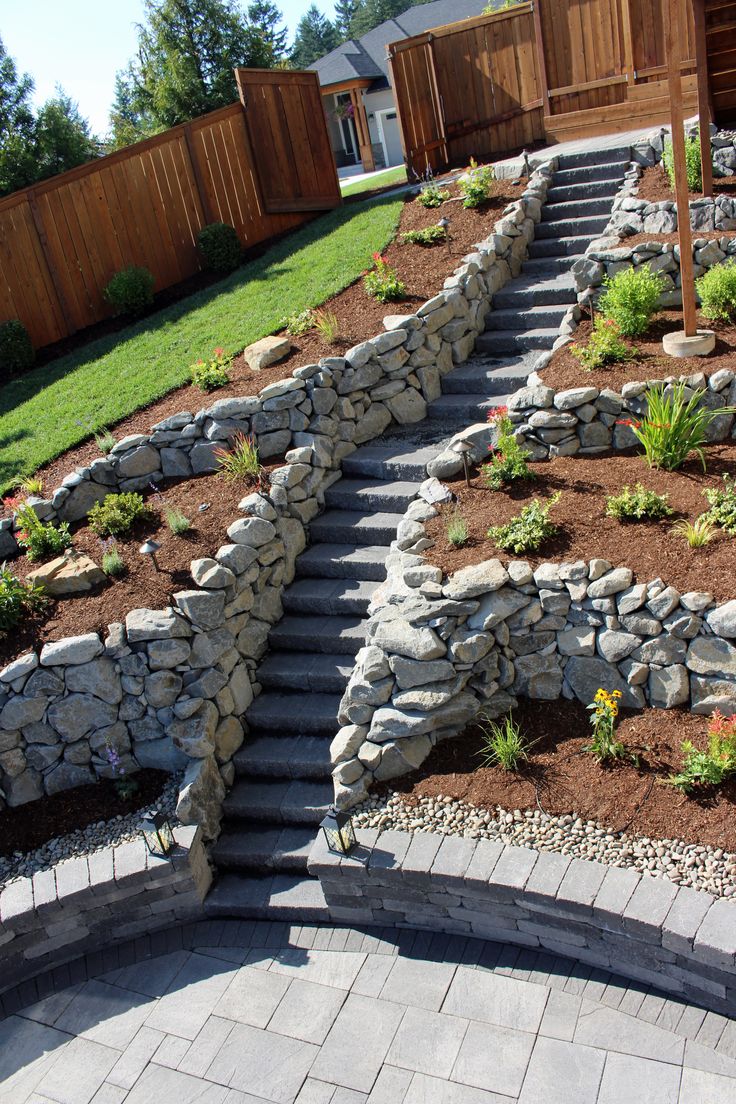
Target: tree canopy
315,36
265,17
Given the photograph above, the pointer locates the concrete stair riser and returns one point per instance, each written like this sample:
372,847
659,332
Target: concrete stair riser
375,495
329,596
355,527
324,674
602,156
317,713
571,248
586,189
531,292
496,342
543,316
487,379
577,208
266,755
389,462
339,561
567,227
302,633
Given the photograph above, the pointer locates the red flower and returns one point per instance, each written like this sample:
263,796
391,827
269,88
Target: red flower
497,412
628,422
218,351
377,257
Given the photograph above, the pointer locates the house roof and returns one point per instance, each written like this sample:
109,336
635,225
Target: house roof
365,58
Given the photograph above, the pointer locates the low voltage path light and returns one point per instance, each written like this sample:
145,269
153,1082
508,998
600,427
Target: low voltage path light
158,834
150,548
444,222
463,448
339,831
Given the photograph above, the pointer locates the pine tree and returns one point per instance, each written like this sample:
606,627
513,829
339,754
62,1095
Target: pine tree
265,18
17,126
315,36
345,13
63,139
372,12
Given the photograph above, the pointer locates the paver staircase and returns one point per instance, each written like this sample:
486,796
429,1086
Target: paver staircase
283,785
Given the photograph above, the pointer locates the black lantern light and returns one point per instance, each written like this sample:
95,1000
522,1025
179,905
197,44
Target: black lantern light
339,832
158,834
463,449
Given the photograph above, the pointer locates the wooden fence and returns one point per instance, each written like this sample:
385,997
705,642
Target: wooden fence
549,70
63,239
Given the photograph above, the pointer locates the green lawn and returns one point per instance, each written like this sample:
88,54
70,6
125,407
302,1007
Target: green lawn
391,176
56,406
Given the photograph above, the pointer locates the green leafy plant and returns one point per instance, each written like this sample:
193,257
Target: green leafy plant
604,346
631,298
298,324
327,325
241,460
220,247
508,459
32,485
177,522
716,289
714,765
697,533
503,745
692,162
16,350
126,788
431,194
39,541
17,599
210,374
131,290
723,505
430,235
457,529
674,426
528,530
604,711
113,563
383,282
117,514
105,441
476,186
637,504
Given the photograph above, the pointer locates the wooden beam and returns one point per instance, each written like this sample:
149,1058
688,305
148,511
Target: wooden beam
541,62
701,58
361,125
588,86
344,86
673,53
627,40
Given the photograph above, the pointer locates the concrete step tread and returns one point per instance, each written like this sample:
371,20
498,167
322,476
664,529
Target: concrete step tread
294,712
279,800
394,461
571,227
264,849
570,248
540,314
459,410
603,188
478,377
329,596
542,337
300,671
358,526
599,156
280,755
310,633
278,897
332,560
574,208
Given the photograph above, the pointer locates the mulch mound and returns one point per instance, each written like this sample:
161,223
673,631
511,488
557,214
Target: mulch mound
648,548
655,187
561,778
649,362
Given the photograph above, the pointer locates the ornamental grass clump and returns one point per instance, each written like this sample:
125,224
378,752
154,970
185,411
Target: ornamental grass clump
177,522
113,563
604,346
712,766
241,460
457,530
383,282
507,461
17,599
528,530
604,710
116,515
210,374
637,503
327,325
696,533
37,540
503,745
716,290
675,426
631,298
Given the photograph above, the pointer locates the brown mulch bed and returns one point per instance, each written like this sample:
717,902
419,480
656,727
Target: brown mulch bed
565,370
655,187
423,270
648,548
142,585
661,239
29,826
563,779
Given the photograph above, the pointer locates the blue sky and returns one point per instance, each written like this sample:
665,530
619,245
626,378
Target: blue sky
80,44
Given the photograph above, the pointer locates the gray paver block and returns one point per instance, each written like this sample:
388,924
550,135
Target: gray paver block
608,1028
431,1090
545,878
420,856
615,892
481,866
427,1042
715,941
348,1037
560,1016
698,1087
389,851
252,996
135,1058
496,999
494,1058
78,1072
390,1086
315,1092
105,1014
685,916
512,871
336,968
562,1073
641,1079
650,902
203,1050
307,1011
262,1063
452,860
580,885
372,975
418,983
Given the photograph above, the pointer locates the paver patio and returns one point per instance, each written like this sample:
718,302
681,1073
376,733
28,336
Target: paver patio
261,1013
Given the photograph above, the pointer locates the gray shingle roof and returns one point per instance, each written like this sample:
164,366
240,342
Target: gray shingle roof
366,56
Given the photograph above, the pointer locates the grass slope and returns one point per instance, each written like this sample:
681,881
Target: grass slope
391,176
56,406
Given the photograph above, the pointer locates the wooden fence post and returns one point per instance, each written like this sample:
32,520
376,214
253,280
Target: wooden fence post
701,63
541,61
56,280
204,199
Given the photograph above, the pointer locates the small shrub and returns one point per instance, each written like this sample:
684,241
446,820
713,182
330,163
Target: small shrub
605,346
220,247
327,326
508,461
241,461
697,533
713,766
604,709
528,530
32,485
105,441
384,283
637,504
16,350
39,541
431,194
177,522
16,599
674,426
631,298
476,185
430,235
113,563
457,530
503,744
723,505
213,373
117,514
131,290
716,289
298,324
692,162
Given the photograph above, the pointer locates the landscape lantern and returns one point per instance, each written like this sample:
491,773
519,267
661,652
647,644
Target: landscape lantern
158,834
463,449
150,548
339,832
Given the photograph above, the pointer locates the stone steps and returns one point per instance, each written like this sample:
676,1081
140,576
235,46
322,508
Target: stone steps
279,800
530,291
545,268
542,316
352,527
269,755
571,227
338,596
606,155
298,671
570,247
381,495
577,208
517,341
586,189
458,411
486,377
388,461
341,561
309,633
261,849
303,714
281,897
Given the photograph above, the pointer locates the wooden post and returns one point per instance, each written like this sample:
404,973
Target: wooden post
204,199
361,125
541,61
673,48
701,68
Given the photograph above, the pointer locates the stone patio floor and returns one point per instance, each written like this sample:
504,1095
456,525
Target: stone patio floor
266,1013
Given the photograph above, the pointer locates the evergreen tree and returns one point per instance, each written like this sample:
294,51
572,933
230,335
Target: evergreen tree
315,36
372,12
187,50
345,13
63,139
265,18
17,126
